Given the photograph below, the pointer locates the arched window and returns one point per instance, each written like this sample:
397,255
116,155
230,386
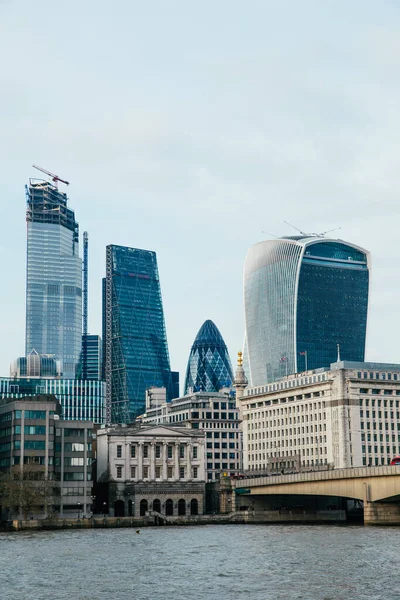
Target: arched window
181,507
194,506
144,507
169,508
157,505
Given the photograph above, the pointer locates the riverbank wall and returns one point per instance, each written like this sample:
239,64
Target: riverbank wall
157,520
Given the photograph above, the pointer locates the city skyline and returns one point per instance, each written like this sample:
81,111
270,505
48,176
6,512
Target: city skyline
194,157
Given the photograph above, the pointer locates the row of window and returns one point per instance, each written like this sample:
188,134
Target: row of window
383,376
218,466
223,445
377,392
158,472
273,387
158,450
223,434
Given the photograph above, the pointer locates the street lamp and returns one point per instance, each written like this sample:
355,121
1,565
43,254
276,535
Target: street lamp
104,509
79,510
93,498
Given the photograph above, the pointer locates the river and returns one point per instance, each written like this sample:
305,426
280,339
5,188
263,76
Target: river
221,562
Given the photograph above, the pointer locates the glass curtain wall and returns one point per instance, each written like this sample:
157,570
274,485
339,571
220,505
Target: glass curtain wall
136,342
53,278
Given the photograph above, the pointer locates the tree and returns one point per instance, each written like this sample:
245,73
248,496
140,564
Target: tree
26,490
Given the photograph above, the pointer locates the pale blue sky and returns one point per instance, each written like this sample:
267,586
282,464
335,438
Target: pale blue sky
188,128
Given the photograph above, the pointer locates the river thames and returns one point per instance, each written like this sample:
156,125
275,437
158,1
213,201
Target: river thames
253,562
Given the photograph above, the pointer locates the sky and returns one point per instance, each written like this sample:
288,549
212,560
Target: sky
191,128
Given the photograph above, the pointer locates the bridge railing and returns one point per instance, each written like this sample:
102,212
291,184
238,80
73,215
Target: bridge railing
349,473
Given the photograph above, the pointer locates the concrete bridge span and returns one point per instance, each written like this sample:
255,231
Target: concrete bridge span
377,487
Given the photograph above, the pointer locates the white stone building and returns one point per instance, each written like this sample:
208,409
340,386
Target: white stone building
345,416
214,413
155,468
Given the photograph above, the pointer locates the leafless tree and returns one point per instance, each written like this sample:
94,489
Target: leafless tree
26,490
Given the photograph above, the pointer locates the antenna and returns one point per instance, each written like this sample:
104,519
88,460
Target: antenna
271,234
296,228
323,234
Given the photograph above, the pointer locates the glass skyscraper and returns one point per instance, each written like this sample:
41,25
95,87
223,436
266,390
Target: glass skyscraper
53,277
306,300
209,367
136,351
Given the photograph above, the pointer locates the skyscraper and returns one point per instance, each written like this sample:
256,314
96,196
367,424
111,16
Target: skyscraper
136,351
53,277
209,367
306,300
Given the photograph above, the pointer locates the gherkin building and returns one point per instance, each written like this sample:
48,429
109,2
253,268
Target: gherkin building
209,367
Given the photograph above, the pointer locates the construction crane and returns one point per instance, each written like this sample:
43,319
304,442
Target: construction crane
55,178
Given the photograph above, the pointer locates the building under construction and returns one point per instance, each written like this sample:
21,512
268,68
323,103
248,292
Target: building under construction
54,276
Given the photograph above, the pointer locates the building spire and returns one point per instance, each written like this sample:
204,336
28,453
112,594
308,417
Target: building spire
338,353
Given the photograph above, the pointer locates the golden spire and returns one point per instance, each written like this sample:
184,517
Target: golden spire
240,359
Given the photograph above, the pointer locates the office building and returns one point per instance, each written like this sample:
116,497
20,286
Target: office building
214,413
79,400
32,433
53,277
347,415
136,351
156,469
36,365
209,367
93,347
306,299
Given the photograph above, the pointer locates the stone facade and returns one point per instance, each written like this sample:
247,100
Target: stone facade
341,417
154,468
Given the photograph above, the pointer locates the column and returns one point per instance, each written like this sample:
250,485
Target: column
165,461
152,461
189,476
127,461
176,467
140,460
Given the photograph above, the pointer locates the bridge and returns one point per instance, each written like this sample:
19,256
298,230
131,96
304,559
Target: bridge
377,487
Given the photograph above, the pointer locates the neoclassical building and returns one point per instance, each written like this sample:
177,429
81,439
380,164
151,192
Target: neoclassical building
152,469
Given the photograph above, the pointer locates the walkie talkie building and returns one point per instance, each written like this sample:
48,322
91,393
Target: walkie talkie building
305,298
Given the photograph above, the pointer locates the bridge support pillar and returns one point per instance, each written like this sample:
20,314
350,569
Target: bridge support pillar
381,513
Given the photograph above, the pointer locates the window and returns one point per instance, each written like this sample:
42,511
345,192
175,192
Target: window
119,451
133,472
74,476
119,472
169,452
133,451
181,472
145,472
195,470
158,472
33,414
170,472
194,451
181,451
145,451
158,451
35,430
74,432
